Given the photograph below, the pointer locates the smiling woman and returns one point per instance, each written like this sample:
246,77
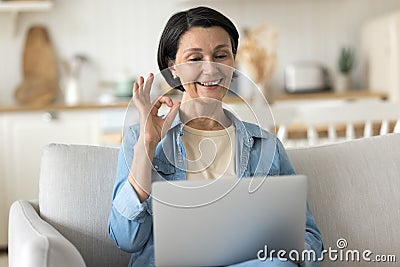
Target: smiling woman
180,24
210,53
197,139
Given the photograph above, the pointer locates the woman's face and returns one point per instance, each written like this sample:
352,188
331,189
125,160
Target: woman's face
204,62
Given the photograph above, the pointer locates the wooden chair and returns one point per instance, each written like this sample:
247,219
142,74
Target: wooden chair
298,125
373,118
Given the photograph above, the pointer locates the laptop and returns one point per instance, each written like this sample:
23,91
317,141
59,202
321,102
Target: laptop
227,220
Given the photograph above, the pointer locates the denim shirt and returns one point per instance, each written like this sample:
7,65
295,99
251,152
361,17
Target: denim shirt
130,224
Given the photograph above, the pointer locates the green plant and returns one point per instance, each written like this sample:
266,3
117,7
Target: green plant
346,60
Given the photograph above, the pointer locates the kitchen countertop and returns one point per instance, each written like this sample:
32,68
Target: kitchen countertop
14,107
123,103
57,106
329,95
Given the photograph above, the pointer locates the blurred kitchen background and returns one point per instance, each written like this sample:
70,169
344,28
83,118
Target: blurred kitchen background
122,36
98,47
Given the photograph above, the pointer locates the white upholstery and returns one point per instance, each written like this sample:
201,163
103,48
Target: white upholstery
38,243
353,193
75,190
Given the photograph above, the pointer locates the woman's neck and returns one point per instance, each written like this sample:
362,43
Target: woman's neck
203,114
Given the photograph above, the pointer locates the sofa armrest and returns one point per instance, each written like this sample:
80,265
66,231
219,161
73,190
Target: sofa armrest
34,242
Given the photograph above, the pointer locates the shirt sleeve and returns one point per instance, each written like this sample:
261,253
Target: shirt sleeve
130,221
313,239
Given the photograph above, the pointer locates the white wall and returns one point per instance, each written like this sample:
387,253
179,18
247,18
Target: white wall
123,34
309,29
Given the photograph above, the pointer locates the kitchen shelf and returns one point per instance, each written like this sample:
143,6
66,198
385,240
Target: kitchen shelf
25,6
16,7
348,96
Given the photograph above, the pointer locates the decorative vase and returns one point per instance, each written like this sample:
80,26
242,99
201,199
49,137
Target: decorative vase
71,93
343,83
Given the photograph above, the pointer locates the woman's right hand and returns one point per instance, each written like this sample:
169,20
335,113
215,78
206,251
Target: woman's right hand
152,126
152,129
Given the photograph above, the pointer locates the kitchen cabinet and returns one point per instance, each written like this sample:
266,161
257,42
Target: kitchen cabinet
22,137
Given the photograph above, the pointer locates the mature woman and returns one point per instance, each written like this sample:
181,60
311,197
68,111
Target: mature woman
198,49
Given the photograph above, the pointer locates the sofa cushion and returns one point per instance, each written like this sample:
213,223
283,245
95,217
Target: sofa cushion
354,193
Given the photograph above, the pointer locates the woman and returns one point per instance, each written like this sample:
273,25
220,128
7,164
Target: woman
198,49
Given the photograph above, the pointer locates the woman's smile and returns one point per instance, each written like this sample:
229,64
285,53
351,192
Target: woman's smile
209,85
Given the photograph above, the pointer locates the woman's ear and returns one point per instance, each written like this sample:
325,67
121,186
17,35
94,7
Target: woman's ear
171,67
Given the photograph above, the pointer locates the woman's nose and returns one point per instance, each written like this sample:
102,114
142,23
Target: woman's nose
209,67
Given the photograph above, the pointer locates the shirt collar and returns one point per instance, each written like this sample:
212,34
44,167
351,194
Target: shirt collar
252,130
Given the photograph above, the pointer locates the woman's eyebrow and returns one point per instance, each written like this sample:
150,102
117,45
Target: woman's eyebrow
221,46
194,49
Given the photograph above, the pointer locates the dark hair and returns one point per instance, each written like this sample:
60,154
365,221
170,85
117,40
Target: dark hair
181,22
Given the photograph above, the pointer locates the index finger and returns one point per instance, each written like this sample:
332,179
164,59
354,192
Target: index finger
163,100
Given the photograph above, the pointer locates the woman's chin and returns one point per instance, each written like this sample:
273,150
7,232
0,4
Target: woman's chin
212,97
195,91
215,92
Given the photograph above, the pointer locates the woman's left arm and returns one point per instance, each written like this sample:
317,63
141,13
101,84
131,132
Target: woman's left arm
313,240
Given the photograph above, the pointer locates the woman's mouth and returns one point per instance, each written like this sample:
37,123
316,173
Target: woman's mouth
210,84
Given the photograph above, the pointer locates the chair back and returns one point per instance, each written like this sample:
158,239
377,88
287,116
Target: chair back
325,124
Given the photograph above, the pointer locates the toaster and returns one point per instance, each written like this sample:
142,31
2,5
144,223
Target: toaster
306,77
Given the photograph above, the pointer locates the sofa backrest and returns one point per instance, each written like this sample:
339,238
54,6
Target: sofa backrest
75,192
354,193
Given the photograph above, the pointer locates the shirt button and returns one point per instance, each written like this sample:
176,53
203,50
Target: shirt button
156,167
250,139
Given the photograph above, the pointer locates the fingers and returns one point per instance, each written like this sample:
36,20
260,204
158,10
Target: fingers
159,102
140,86
141,98
149,82
170,118
135,89
163,100
137,85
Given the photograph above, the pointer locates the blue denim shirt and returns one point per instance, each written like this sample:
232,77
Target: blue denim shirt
258,153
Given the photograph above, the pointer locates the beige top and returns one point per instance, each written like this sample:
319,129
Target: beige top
209,154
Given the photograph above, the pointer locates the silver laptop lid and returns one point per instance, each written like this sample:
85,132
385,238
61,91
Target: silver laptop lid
228,220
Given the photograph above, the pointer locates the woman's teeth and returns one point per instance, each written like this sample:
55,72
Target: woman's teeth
209,83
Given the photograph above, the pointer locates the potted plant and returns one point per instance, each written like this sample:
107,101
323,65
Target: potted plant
345,65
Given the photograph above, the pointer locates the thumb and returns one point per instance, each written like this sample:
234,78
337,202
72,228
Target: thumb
169,118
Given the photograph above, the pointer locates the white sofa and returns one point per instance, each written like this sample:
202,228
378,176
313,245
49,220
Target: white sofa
353,192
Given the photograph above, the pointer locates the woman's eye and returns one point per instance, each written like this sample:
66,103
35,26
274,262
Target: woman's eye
195,59
221,56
